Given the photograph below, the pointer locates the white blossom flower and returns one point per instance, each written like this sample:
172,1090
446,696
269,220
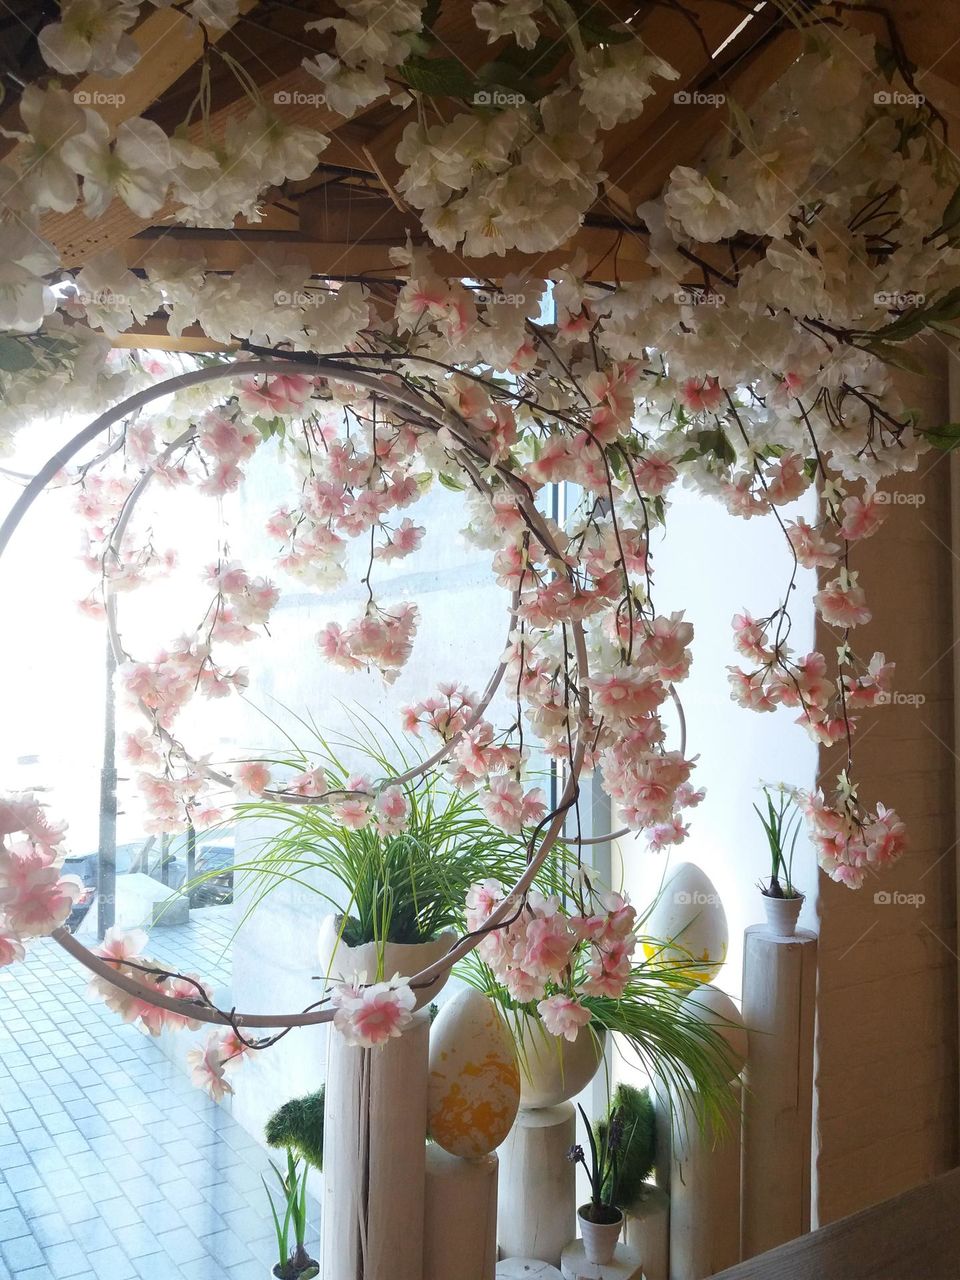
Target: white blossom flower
615,80
508,18
91,36
136,167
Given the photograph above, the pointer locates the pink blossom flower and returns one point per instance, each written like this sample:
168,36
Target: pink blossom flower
253,776
813,550
206,1067
563,1016
11,948
861,517
787,479
842,603
550,941
402,542
393,811
34,898
702,395
368,1016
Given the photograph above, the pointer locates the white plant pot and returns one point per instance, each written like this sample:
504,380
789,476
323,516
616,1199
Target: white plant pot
599,1238
553,1069
782,915
341,963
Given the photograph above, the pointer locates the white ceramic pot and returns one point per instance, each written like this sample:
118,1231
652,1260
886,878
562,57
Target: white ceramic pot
341,963
782,915
599,1238
553,1069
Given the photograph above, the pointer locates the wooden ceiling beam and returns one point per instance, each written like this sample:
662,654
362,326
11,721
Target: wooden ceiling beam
229,250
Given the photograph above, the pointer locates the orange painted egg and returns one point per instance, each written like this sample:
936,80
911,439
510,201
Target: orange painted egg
474,1086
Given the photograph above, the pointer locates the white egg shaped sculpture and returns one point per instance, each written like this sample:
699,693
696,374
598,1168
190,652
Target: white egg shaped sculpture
474,1085
715,1008
687,927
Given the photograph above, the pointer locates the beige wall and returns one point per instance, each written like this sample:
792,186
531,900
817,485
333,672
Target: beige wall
887,1072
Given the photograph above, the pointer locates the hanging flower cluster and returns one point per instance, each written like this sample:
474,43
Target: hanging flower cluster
753,364
34,898
550,957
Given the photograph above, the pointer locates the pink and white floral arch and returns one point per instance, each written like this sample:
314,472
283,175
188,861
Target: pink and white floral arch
754,362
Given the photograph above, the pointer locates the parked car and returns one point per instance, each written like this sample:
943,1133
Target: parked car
84,866
213,861
169,866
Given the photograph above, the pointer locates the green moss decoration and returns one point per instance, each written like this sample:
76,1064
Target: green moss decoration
635,1108
298,1126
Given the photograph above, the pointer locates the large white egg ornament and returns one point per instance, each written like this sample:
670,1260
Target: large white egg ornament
714,1007
474,1085
687,927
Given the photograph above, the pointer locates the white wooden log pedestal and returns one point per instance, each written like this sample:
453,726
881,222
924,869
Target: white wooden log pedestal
647,1232
526,1269
538,1185
704,1195
779,994
574,1264
374,1157
460,1217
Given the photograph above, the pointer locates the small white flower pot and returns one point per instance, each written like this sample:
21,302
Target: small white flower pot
599,1238
552,1068
782,915
341,963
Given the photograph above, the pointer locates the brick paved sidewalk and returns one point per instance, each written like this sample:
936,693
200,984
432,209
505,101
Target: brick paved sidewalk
112,1166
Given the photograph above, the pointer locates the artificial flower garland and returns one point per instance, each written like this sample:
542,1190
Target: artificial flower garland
751,379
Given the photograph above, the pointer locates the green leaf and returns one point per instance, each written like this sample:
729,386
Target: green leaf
951,214
715,441
438,77
449,483
945,437
896,356
16,355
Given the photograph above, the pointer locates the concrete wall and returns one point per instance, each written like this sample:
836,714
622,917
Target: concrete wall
887,1005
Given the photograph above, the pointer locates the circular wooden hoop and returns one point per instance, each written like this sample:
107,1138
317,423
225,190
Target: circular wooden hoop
431,418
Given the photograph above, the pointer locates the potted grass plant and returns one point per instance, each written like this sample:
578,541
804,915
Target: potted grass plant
396,896
289,1213
781,821
297,1127
601,1218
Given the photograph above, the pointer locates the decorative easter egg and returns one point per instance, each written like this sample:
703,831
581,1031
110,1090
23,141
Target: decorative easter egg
552,1068
715,1008
474,1086
688,925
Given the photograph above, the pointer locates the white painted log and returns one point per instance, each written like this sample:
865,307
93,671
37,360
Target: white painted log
704,1195
526,1269
460,1217
662,1133
374,1157
625,1265
538,1185
648,1232
779,995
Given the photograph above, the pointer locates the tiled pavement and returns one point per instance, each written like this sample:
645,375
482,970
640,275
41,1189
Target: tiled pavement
112,1166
